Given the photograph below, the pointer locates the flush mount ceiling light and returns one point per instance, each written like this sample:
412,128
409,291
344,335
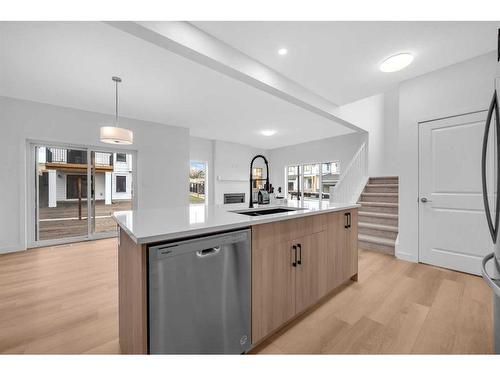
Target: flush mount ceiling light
396,62
282,51
268,132
115,134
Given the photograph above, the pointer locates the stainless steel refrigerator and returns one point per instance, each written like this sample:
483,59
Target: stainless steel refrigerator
491,198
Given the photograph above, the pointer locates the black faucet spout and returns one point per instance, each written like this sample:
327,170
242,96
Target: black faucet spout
266,187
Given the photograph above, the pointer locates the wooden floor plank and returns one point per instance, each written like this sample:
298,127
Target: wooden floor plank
64,299
439,331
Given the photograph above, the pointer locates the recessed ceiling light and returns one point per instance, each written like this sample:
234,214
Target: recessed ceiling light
396,62
282,51
268,132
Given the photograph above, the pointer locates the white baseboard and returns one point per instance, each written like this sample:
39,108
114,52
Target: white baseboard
404,255
11,249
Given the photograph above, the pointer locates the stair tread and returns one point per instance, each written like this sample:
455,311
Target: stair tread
389,228
382,185
381,194
387,204
378,214
381,204
375,239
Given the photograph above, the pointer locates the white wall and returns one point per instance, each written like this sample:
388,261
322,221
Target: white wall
61,185
162,157
228,166
340,148
456,89
232,168
378,115
390,146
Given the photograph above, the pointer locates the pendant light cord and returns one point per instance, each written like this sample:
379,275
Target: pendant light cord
116,103
116,80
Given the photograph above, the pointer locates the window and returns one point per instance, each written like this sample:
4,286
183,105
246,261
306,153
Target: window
329,177
197,181
292,182
311,181
121,157
258,181
257,172
74,184
121,184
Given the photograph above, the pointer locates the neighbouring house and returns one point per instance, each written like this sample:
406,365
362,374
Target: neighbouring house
63,176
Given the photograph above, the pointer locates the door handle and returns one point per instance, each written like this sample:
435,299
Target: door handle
493,226
299,246
294,263
425,200
208,252
346,223
348,219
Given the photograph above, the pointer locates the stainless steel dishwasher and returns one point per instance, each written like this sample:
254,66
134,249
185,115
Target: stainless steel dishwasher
200,295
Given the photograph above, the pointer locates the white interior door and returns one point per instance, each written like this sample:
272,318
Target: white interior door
453,232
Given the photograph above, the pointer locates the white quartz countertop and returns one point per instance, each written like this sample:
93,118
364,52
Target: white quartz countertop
155,225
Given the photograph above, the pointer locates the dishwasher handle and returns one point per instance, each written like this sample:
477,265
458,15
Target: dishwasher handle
208,252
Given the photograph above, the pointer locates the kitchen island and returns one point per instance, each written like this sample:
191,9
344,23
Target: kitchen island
298,257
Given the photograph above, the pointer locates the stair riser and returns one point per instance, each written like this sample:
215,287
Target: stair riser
385,210
381,189
386,249
379,198
378,233
383,181
378,220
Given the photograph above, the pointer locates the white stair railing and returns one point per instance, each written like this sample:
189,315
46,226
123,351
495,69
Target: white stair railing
352,180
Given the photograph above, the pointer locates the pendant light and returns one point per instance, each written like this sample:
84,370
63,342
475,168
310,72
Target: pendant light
115,134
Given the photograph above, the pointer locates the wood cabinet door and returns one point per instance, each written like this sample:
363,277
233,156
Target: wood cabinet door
273,282
311,272
342,248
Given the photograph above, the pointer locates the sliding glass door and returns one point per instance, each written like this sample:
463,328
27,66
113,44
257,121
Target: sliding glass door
61,193
312,181
76,192
111,188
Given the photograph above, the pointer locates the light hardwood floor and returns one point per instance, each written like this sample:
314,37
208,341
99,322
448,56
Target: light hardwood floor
64,300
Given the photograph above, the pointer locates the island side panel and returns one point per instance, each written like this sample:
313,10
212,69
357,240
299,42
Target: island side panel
132,295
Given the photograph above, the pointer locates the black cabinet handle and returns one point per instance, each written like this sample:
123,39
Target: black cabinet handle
300,253
349,219
346,222
294,263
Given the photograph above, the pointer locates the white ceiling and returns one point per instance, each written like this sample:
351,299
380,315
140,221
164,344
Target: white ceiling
71,64
339,60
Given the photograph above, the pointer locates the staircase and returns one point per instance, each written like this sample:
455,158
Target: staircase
378,215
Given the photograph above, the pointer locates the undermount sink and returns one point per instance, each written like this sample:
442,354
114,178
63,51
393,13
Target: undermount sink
266,211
